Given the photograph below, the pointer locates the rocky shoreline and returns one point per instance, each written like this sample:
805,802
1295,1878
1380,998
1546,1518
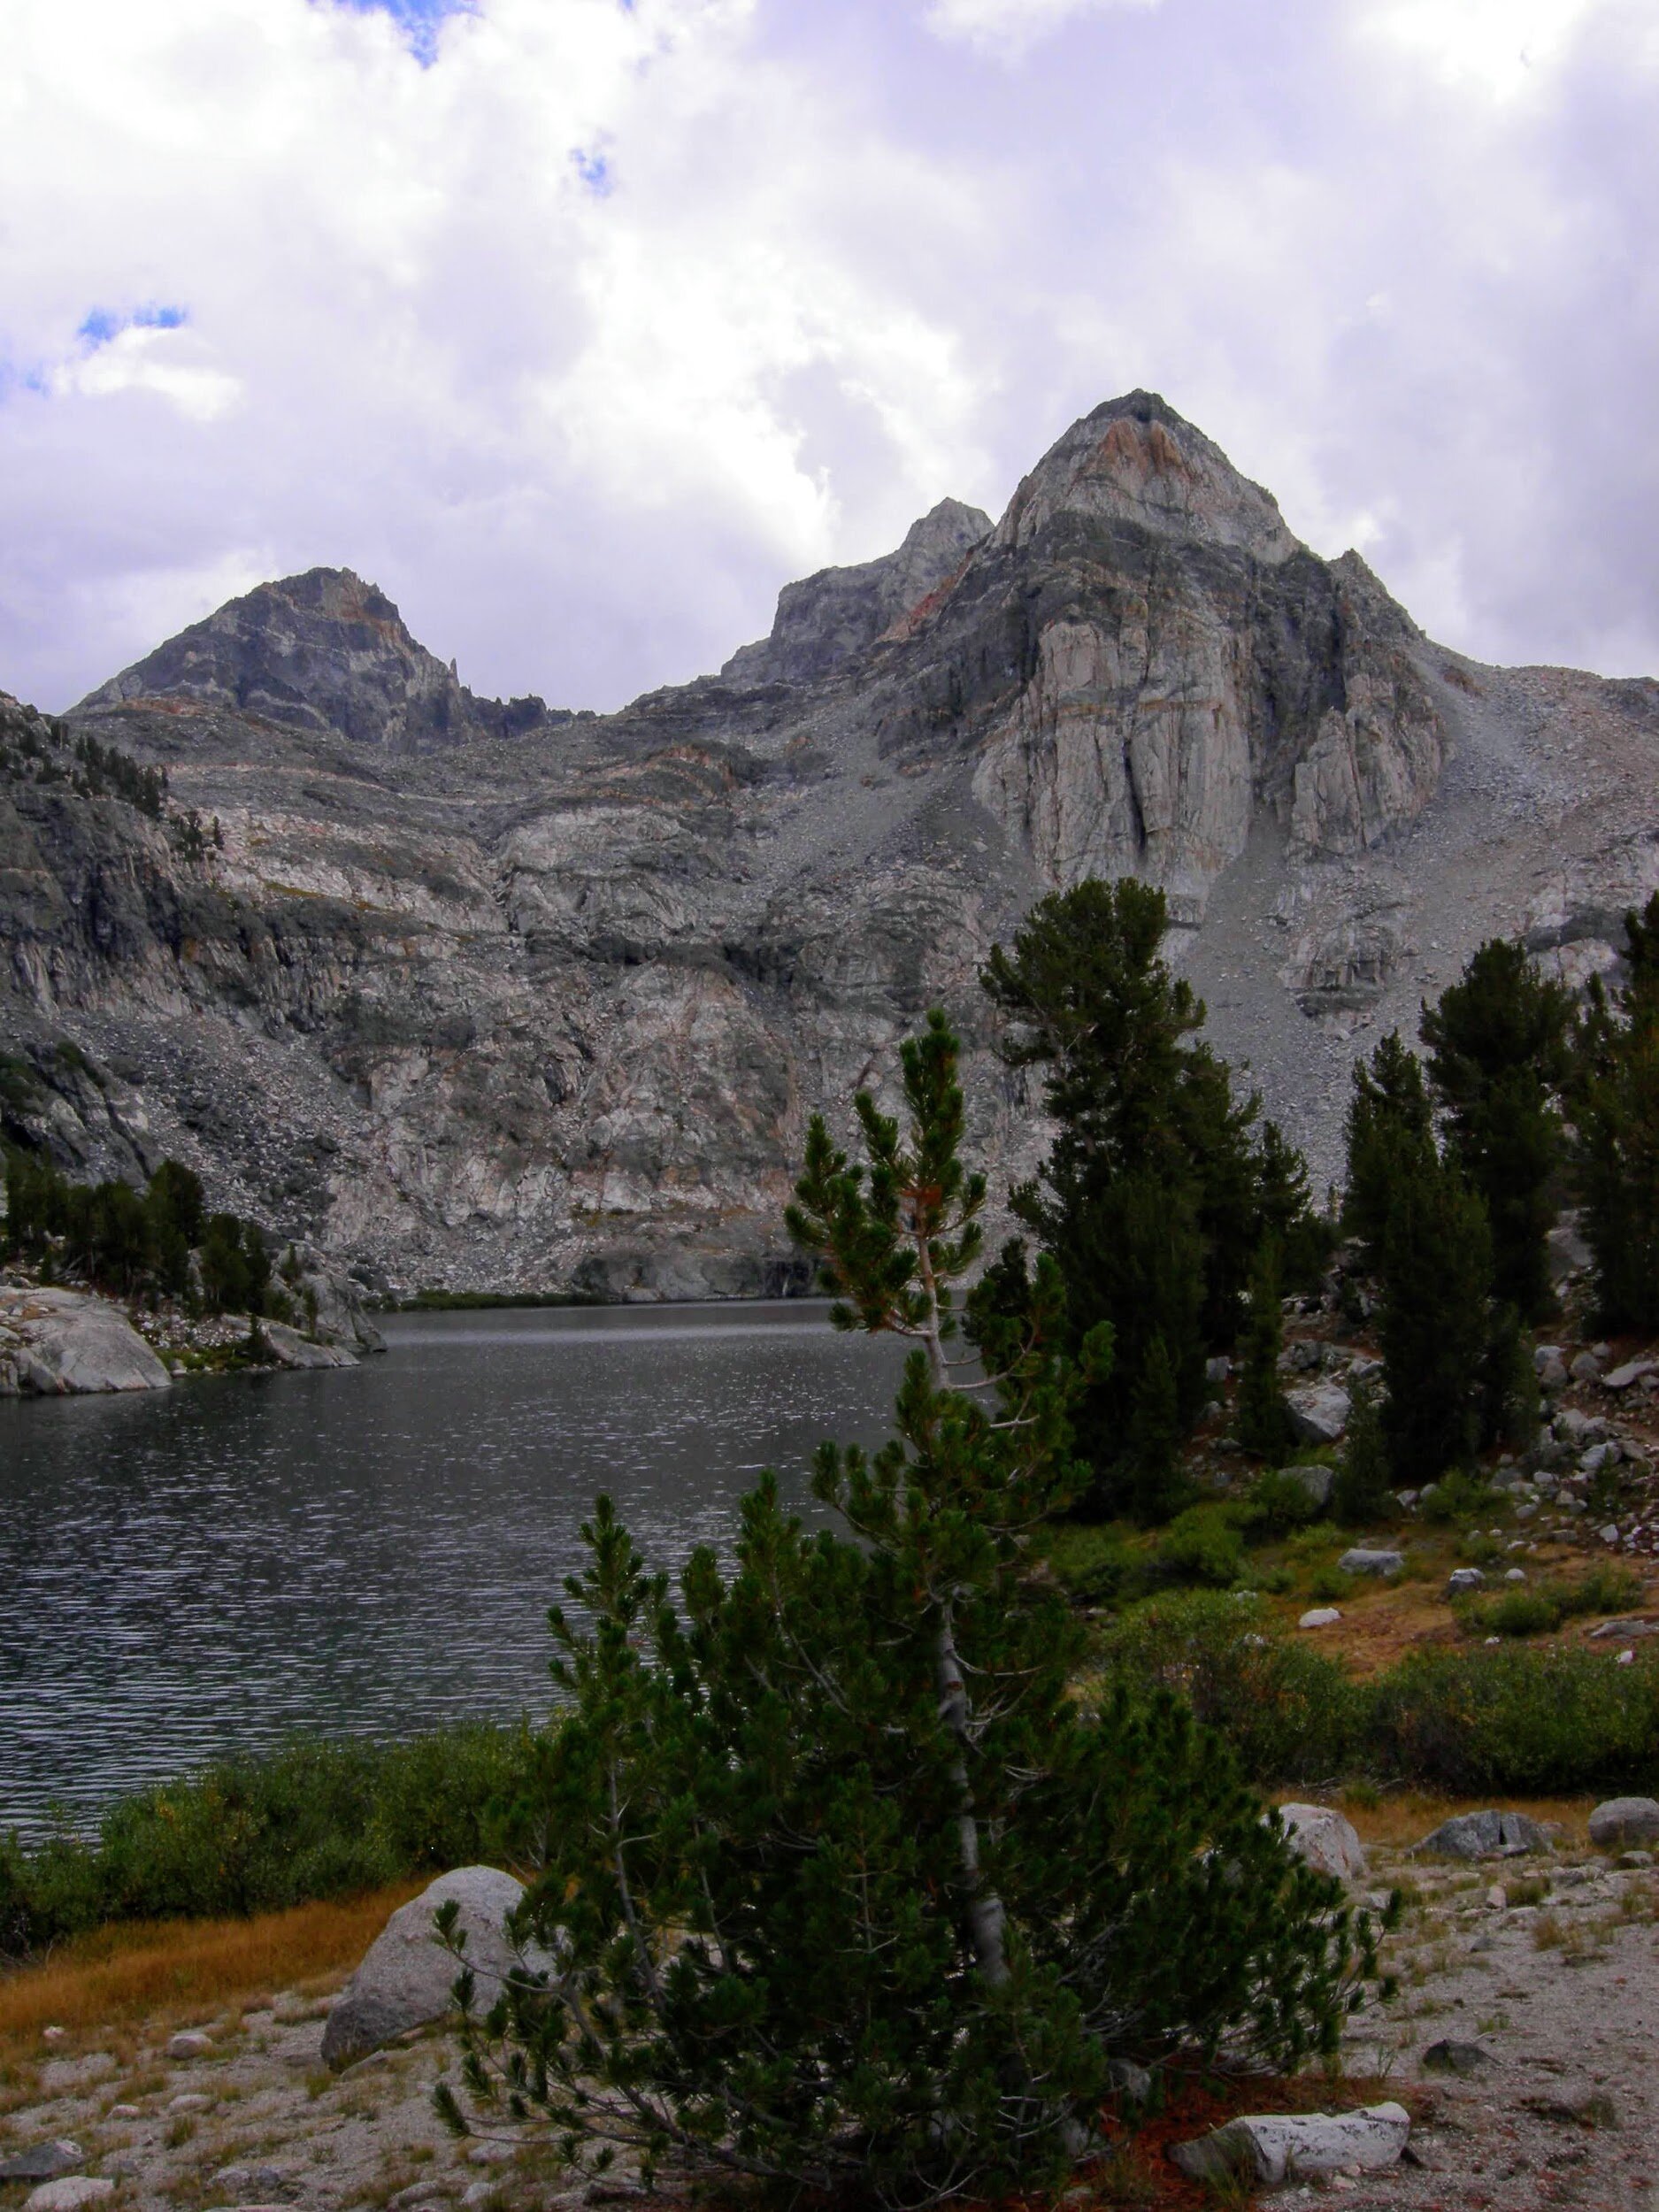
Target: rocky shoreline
61,1341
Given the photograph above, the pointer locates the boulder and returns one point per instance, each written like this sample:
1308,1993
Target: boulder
1623,1821
1326,1841
1633,1370
73,2193
1363,1560
289,1348
1586,1368
1318,1413
62,1343
1319,1616
1315,1479
191,2043
43,2162
406,1977
1273,2148
1485,1835
1462,1580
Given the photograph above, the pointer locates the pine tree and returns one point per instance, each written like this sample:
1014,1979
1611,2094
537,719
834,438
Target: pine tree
1497,1058
1158,1187
1263,1418
844,1887
1615,1110
1157,1486
1390,1133
1434,1320
1359,1494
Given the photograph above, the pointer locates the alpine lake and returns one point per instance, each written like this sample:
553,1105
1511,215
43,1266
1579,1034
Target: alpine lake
213,1567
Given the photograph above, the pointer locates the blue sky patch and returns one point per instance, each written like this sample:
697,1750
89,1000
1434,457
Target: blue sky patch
103,323
594,169
419,21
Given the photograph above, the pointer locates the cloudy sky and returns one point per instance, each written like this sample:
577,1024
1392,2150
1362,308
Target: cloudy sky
580,326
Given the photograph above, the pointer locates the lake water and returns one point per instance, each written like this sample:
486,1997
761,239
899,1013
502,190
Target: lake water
372,1550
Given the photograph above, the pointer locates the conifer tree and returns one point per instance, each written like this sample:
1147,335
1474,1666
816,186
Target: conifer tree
843,1885
1434,1320
1359,1494
1390,1134
1159,1186
1497,1058
1263,1418
1615,1110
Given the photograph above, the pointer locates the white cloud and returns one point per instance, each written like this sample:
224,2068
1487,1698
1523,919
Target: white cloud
1500,46
154,361
1009,29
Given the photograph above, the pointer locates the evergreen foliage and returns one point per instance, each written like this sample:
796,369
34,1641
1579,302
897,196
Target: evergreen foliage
1498,1058
1360,1490
1390,1131
1615,1110
843,1885
42,752
137,1244
1160,1185
1434,1318
1263,1418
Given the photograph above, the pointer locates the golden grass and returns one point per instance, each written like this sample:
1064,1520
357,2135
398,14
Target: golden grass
1401,1817
185,1969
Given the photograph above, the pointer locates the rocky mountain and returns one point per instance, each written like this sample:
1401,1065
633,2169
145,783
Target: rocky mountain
481,995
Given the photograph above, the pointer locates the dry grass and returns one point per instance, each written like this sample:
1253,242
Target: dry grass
1403,1817
180,1971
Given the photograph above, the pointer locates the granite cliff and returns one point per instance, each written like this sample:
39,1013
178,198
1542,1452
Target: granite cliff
481,994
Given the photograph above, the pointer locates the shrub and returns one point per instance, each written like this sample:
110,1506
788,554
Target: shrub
1287,1711
1278,1502
1201,1545
1515,1720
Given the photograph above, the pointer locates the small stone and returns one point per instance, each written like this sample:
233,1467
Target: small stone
489,2153
1516,1574
1271,2148
191,2044
1586,1368
1319,1616
1634,1859
1464,1579
1363,1560
54,2037
1452,2057
1609,1533
1498,1897
125,2112
478,2193
72,2194
189,2100
44,2161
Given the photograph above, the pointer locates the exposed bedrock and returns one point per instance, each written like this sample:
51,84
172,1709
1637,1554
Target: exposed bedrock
478,993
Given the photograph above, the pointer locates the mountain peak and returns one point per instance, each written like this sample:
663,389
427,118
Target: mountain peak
322,651
824,619
1135,459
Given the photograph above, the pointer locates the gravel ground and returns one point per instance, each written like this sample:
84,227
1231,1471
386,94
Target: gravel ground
1556,1990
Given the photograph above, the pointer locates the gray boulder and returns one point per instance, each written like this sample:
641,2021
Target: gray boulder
1363,1560
1586,1368
1451,2056
1318,1413
1632,1371
1464,1579
1485,1835
73,2193
1273,2148
1327,1841
289,1348
1623,1821
407,1975
1315,1479
62,1343
43,2162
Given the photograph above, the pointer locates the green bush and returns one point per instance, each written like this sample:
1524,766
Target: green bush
1457,1498
1287,1711
1541,1610
314,1819
1201,1545
1277,1502
1515,1720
